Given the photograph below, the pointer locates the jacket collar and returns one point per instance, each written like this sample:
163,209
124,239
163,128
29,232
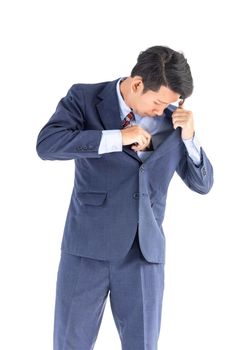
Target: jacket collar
109,112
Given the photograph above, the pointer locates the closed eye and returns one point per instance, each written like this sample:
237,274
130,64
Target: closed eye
159,104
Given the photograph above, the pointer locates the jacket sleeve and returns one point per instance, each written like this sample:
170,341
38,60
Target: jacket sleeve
64,136
197,178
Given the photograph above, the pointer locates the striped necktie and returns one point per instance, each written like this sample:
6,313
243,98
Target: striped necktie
128,119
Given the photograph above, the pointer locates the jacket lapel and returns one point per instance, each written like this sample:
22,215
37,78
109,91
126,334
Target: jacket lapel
108,107
171,137
109,112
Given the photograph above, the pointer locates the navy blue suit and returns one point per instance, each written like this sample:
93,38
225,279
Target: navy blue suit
116,196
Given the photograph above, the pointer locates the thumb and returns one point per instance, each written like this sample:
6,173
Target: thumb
181,103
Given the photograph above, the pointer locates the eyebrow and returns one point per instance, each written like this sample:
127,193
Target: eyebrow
163,102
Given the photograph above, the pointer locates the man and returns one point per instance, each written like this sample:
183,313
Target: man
127,139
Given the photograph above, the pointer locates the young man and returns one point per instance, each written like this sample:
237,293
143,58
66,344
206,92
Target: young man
128,139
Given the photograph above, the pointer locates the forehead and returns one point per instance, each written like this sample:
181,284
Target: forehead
164,95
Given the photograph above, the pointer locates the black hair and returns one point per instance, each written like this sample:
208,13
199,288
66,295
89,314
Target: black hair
161,65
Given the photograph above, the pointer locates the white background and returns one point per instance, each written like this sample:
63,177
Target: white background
46,46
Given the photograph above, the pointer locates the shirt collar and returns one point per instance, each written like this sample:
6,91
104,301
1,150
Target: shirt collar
124,109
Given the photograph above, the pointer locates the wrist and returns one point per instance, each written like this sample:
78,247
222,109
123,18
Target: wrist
188,135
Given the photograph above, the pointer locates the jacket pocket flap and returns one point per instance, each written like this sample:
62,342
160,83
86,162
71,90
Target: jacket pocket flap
92,198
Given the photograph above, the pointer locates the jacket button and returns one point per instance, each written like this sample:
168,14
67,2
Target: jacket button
85,147
204,172
136,195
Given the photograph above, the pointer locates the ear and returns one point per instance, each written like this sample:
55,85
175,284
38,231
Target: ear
137,84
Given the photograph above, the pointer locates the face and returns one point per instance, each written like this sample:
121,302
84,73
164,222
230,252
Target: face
150,103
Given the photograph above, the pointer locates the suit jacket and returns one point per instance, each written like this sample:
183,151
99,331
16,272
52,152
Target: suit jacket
115,193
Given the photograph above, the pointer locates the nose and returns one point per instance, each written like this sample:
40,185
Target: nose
159,111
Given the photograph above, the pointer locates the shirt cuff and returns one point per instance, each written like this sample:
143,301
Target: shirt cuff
111,141
194,149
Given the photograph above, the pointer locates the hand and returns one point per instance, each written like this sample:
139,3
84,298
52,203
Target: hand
137,136
183,118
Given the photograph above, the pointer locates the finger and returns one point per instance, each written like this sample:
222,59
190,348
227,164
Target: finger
148,141
179,112
137,147
181,115
142,140
182,112
142,144
176,125
146,133
181,103
180,120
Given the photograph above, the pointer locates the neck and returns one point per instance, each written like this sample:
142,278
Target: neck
124,88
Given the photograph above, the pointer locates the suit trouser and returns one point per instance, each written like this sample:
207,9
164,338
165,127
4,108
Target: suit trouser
136,294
